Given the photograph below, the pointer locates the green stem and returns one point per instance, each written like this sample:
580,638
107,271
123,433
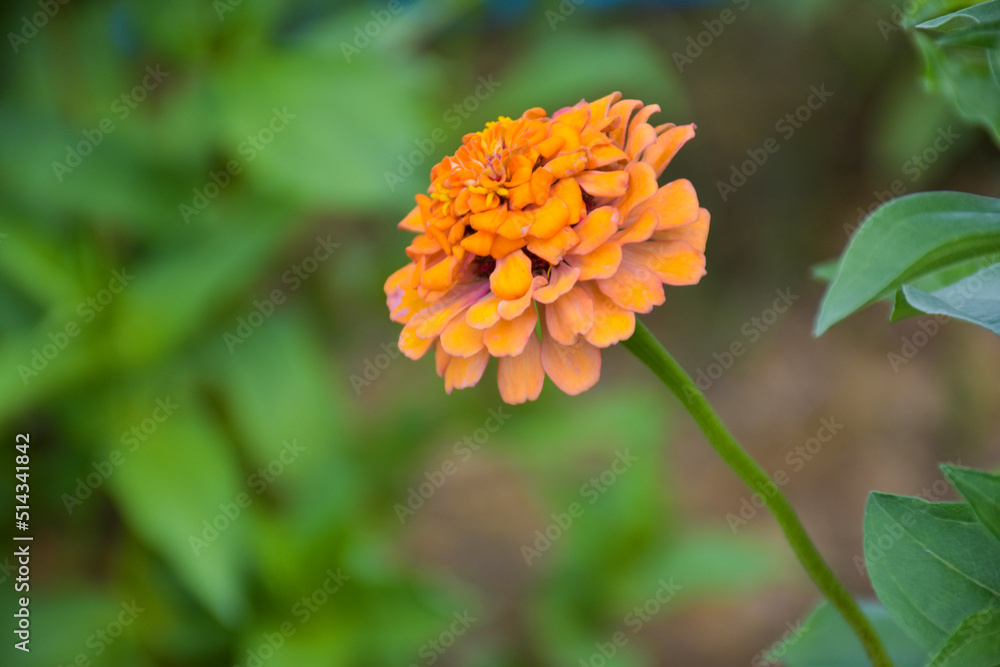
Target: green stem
644,346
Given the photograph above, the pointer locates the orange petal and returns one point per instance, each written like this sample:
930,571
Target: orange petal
549,219
659,155
640,230
488,220
413,222
695,233
567,164
424,244
573,368
441,359
431,321
508,310
516,225
554,249
640,138
483,313
599,108
623,110
508,337
676,203
612,323
641,116
442,275
634,287
503,246
599,226
412,346
641,186
603,183
512,276
673,262
561,280
600,263
479,243
567,190
541,182
604,154
520,378
570,315
460,340
462,373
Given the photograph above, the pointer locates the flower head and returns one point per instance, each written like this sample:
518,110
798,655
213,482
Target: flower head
546,224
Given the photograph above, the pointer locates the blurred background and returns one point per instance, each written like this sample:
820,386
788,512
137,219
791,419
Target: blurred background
232,465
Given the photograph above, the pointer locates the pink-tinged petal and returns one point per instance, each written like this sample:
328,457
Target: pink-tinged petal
603,183
431,321
695,233
639,139
463,373
612,323
641,186
483,313
507,338
676,204
641,116
663,151
413,222
601,263
640,230
634,287
441,359
573,368
508,310
520,378
552,250
673,262
599,108
512,276
561,280
411,345
570,316
623,110
599,226
460,340
401,297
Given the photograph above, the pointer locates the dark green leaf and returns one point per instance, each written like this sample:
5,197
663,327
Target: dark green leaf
931,564
905,239
976,642
982,490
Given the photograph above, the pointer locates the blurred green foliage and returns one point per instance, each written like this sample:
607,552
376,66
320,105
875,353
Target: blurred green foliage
196,217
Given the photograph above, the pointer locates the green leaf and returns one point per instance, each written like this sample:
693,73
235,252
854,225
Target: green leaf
982,490
976,642
974,299
905,239
984,13
825,640
932,564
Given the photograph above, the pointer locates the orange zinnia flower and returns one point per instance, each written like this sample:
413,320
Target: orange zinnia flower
553,221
